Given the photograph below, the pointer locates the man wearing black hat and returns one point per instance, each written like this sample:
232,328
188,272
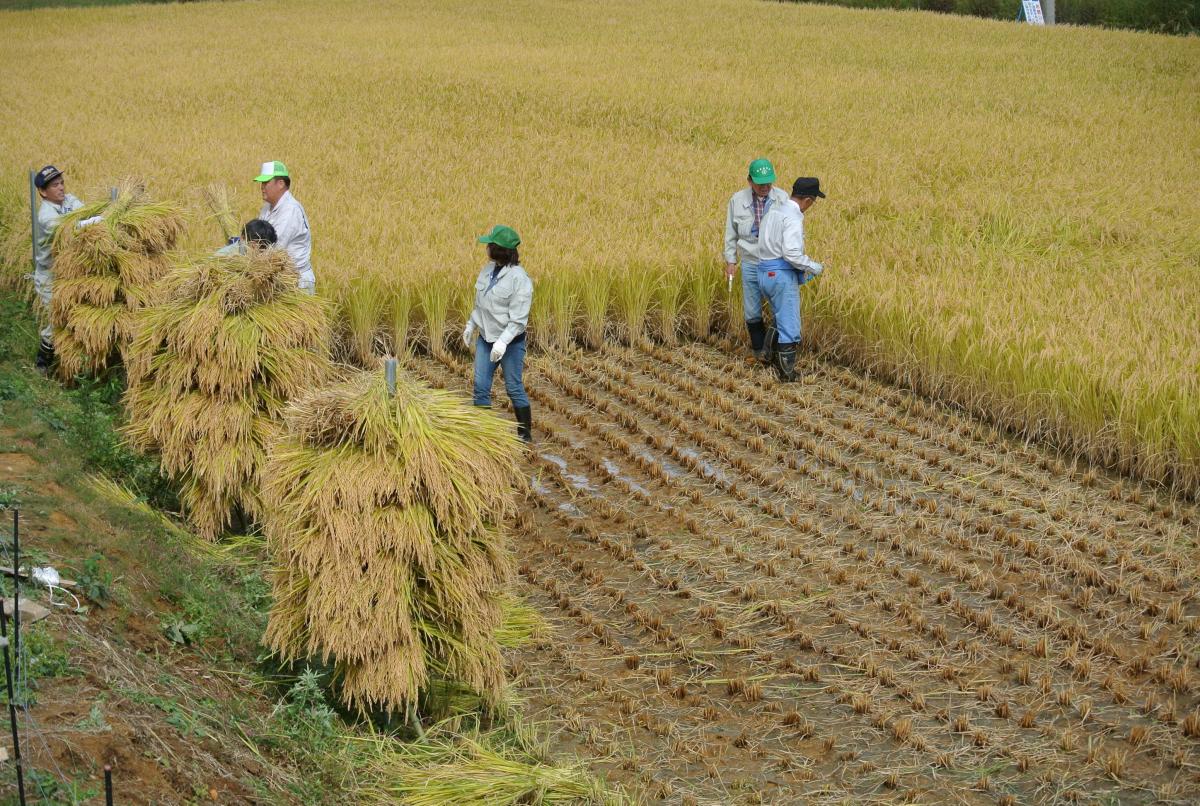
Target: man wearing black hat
56,203
783,267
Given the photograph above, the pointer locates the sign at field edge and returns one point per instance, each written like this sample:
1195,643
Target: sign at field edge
1033,12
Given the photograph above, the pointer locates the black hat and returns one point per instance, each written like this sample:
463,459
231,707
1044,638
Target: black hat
807,186
46,176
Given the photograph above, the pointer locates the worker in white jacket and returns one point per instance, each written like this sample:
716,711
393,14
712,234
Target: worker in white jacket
743,218
783,267
56,203
503,296
281,210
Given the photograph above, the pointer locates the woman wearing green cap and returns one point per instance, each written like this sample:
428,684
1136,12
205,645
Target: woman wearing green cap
503,294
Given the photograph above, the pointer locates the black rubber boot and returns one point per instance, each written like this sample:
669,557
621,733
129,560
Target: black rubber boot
785,362
758,337
45,357
524,423
770,345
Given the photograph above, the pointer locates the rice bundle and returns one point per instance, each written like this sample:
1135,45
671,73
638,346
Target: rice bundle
210,371
105,272
383,520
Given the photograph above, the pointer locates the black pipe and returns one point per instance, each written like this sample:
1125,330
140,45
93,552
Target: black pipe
107,785
8,677
17,587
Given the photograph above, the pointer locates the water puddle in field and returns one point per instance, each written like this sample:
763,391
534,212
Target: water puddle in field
536,483
706,469
577,480
570,509
673,470
614,470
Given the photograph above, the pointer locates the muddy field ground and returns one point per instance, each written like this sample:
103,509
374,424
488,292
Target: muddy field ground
835,591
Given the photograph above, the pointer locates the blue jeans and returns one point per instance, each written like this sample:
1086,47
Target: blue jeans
752,295
513,362
781,284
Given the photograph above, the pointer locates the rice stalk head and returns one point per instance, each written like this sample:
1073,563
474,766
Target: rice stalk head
434,296
400,313
597,291
702,284
363,306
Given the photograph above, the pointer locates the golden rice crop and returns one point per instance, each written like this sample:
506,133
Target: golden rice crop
210,371
383,515
105,272
1008,226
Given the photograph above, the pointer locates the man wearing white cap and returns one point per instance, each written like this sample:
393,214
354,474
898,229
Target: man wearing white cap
281,210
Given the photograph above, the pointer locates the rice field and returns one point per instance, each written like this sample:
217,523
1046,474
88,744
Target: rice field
834,591
1012,222
840,593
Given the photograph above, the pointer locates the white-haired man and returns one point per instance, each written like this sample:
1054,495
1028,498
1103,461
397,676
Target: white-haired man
281,210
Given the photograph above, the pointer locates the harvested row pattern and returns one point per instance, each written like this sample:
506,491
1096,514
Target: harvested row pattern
836,591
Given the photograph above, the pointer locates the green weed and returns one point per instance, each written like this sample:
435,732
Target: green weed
95,582
9,497
46,657
45,787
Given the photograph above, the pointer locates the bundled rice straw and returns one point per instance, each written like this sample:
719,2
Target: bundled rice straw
105,272
210,371
382,518
220,208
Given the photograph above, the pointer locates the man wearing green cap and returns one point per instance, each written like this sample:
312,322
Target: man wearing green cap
742,219
281,210
503,296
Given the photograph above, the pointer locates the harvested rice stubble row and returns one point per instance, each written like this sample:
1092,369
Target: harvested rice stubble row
812,446
670,587
1055,535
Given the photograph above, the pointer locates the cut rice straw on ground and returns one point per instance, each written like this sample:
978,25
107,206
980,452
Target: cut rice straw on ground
461,770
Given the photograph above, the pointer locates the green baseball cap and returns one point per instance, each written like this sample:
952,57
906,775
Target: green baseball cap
271,170
762,172
502,236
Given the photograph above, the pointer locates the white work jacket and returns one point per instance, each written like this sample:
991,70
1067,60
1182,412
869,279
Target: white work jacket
291,230
502,311
781,235
47,218
740,239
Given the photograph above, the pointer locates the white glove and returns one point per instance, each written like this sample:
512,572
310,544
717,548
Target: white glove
498,351
87,222
469,336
